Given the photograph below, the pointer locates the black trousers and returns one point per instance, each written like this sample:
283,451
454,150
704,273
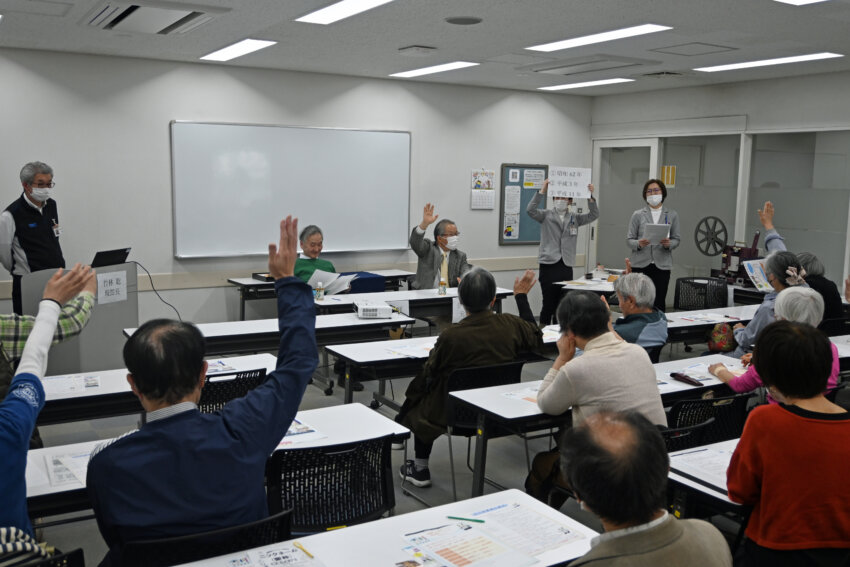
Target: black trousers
549,274
421,449
16,295
661,279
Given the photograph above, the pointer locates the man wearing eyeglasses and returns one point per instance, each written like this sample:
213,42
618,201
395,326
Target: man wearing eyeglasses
29,229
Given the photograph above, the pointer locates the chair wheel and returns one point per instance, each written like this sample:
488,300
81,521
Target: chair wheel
374,404
329,391
688,348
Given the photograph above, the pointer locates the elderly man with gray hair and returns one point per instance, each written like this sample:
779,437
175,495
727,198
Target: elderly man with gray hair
438,259
29,229
641,323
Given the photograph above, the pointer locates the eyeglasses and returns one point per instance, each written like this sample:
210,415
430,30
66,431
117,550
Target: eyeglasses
50,185
654,191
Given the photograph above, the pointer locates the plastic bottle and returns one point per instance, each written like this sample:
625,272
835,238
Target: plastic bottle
443,286
320,292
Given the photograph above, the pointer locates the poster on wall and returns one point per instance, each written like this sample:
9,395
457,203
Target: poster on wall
511,224
534,179
483,179
569,182
668,176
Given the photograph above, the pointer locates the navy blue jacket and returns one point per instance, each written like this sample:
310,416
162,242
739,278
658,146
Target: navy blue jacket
194,472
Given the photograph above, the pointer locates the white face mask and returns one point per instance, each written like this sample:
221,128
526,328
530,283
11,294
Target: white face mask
40,194
653,200
561,206
451,242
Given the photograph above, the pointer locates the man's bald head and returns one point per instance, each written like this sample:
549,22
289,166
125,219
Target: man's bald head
616,462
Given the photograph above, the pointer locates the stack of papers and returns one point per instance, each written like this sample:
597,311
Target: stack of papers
298,434
333,283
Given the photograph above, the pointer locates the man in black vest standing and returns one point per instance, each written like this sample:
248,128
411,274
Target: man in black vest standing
29,229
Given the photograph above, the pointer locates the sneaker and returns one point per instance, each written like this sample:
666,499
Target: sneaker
398,447
420,478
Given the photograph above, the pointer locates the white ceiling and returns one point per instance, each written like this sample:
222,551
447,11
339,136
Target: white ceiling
367,45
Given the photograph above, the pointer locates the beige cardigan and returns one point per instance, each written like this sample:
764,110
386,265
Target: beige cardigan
611,375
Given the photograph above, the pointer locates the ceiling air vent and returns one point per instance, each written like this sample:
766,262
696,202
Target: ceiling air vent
590,64
150,17
664,75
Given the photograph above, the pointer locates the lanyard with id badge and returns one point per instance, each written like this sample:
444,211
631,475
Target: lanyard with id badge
57,230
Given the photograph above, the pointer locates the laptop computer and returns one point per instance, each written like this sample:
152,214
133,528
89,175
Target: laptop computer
110,257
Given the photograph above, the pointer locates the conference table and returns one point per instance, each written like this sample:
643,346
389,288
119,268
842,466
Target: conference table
505,528
513,407
251,289
693,325
56,476
106,393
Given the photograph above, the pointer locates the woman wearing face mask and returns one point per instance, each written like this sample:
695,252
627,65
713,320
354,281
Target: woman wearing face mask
654,260
558,237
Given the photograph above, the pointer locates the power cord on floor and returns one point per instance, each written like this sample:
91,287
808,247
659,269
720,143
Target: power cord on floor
156,292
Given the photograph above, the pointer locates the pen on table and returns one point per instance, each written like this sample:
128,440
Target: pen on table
465,519
302,548
731,317
335,299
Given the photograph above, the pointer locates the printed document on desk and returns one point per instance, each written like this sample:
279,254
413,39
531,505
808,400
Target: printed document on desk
70,384
282,554
299,433
333,283
706,466
655,233
67,469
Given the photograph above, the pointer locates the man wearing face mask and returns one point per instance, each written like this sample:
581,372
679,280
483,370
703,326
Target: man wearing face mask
558,237
438,259
29,229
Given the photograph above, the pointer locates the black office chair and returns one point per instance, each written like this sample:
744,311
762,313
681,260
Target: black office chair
218,390
729,415
332,486
73,558
654,352
835,327
184,549
700,293
462,421
686,437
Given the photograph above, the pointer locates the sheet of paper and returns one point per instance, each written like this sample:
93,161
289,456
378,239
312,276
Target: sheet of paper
656,232
218,367
68,468
569,182
513,176
35,475
700,371
523,529
551,333
528,394
534,179
322,276
340,284
70,384
703,317
111,287
283,554
511,226
755,269
482,199
300,433
461,544
708,465
512,199
419,350
482,179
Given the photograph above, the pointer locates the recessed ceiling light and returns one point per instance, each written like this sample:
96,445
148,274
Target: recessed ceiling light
767,62
463,20
800,2
600,37
239,49
340,11
587,84
435,69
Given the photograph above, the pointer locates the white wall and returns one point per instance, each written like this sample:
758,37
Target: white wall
102,123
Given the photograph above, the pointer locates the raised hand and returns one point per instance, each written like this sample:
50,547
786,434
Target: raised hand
428,216
525,283
766,215
282,257
64,286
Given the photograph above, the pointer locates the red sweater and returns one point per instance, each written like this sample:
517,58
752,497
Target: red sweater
792,466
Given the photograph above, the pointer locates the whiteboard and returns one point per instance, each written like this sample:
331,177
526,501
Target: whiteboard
233,183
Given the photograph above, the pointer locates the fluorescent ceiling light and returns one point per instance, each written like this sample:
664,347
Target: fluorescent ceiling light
600,37
587,84
244,47
435,69
340,11
800,2
767,62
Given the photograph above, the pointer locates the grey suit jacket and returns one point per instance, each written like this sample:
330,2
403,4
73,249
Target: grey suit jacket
430,257
674,543
556,242
662,257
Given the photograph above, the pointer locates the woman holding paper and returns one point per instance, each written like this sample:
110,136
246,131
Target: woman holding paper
308,261
558,237
650,243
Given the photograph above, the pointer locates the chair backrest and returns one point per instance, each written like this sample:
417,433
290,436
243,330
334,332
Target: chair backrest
462,420
686,437
194,547
834,327
218,390
332,486
654,352
700,293
73,558
831,394
729,415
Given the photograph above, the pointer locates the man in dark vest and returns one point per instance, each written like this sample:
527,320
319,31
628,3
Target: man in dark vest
29,229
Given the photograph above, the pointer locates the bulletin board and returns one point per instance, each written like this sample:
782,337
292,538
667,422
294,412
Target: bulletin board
518,184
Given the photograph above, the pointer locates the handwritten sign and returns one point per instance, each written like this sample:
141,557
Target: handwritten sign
569,182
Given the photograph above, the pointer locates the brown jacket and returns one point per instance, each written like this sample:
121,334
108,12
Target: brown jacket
481,339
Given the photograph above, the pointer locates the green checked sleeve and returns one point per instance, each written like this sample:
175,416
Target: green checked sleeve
15,329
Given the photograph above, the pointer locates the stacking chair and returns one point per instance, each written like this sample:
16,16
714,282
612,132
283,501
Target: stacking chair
332,486
194,547
686,437
73,558
459,419
729,415
220,390
654,352
700,293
